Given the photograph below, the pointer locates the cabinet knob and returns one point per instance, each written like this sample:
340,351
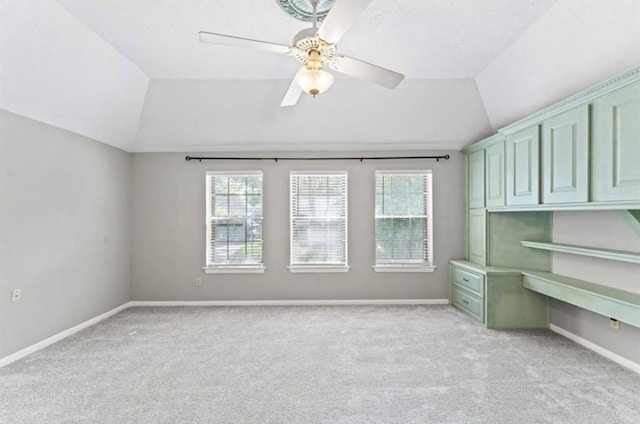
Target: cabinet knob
464,279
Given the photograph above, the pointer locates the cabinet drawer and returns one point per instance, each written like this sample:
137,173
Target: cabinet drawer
467,302
471,281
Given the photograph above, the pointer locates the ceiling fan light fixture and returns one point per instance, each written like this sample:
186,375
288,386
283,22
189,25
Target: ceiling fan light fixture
313,81
311,78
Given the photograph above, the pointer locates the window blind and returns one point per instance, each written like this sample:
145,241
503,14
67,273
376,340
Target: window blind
234,218
402,217
318,218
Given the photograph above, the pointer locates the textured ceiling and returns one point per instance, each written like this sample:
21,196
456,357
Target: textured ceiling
420,38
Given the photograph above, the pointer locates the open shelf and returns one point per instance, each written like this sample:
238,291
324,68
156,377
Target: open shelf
614,255
577,206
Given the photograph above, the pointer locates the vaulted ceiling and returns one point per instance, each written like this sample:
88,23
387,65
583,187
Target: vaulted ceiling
420,38
131,73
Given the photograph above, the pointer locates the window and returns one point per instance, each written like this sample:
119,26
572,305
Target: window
234,222
403,221
318,222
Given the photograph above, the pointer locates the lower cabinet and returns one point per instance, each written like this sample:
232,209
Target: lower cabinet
495,297
469,303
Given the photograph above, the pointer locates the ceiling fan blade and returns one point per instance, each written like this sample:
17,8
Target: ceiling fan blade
228,40
336,23
366,71
293,94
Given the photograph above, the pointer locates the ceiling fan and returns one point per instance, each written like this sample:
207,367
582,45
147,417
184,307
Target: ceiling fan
316,47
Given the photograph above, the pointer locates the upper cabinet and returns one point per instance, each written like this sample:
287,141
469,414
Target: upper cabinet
580,153
475,175
565,157
522,159
494,174
616,146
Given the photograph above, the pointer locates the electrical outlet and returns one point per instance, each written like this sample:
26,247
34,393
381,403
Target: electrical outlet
367,281
198,281
16,295
614,323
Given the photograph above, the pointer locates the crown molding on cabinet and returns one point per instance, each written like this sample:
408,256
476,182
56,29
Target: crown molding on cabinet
585,96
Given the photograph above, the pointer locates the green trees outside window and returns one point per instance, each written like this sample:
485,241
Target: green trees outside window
403,205
234,214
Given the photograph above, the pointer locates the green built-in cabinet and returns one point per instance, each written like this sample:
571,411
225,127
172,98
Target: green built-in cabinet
582,153
523,163
565,157
495,297
475,184
494,173
477,236
616,145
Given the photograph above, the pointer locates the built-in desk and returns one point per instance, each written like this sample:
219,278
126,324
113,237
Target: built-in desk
608,301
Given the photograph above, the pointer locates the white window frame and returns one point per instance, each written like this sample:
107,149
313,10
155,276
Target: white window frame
319,268
228,268
408,266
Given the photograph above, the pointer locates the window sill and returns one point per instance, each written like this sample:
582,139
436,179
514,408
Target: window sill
404,268
234,269
318,268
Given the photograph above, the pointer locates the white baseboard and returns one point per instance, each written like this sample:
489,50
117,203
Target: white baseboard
292,302
627,363
66,333
57,337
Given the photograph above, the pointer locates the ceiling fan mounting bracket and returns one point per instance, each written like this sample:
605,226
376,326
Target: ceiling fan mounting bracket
303,9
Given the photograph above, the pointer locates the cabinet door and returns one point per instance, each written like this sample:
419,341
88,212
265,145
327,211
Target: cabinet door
565,157
476,179
477,236
523,157
616,145
494,175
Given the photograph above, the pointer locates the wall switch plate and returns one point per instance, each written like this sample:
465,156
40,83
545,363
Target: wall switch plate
614,323
198,281
16,295
367,281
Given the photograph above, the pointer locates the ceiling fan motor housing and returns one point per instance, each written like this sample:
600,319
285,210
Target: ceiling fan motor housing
306,41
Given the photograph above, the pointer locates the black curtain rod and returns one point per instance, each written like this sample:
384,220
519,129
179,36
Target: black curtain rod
437,158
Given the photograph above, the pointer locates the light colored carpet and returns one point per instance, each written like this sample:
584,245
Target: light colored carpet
304,365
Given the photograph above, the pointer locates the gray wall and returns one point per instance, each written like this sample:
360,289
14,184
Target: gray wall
64,230
608,230
168,245
624,341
